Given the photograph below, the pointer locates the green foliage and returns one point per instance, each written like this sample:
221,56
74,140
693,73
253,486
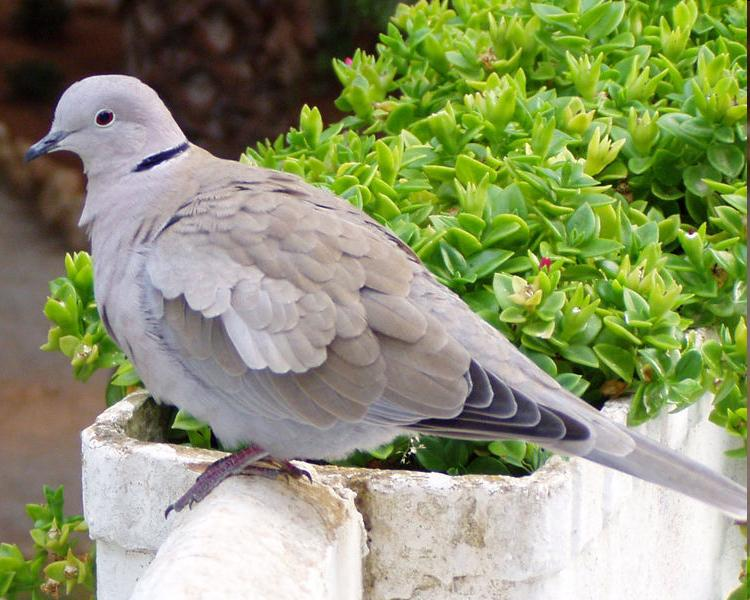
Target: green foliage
198,433
79,333
742,592
726,360
56,569
455,457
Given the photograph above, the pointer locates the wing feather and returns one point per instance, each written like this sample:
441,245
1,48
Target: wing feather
301,311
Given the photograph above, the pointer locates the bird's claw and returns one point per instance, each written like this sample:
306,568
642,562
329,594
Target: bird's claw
273,468
197,492
296,472
186,500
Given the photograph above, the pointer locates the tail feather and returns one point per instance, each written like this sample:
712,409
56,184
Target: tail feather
656,463
621,448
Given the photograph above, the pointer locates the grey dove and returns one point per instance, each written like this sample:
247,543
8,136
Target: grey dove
288,319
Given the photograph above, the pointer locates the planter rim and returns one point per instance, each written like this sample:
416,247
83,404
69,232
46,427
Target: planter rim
113,425
428,531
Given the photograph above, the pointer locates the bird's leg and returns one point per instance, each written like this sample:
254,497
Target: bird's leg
272,467
242,462
217,472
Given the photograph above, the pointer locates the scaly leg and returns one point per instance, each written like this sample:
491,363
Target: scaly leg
242,462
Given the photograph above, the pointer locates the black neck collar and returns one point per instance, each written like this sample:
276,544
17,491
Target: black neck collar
156,159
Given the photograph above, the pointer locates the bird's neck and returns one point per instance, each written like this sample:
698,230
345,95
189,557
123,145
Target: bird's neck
145,188
162,157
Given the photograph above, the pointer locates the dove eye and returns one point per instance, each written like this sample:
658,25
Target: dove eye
105,117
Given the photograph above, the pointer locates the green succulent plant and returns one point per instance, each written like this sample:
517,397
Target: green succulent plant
57,566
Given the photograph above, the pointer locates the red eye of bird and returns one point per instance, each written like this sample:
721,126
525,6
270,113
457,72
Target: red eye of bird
104,117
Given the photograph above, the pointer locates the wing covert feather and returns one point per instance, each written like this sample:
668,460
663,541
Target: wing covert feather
307,307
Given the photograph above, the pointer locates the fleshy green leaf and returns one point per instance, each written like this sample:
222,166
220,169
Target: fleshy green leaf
620,361
725,158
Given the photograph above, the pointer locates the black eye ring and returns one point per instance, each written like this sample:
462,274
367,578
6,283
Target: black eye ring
104,118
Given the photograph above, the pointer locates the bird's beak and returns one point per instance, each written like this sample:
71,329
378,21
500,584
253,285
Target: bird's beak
49,143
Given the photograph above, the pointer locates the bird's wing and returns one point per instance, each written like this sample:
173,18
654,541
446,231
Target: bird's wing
272,284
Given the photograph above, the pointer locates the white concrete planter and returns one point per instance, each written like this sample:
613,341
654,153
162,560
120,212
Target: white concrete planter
571,530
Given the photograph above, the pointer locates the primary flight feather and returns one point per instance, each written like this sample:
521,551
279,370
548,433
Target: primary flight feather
284,317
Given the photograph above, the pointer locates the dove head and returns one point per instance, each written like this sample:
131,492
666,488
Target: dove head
112,122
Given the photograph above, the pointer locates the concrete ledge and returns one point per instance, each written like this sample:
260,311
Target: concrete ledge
571,530
275,539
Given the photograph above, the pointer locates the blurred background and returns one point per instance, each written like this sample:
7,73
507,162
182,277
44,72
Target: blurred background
232,72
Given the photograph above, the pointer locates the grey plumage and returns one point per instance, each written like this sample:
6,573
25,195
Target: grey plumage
281,315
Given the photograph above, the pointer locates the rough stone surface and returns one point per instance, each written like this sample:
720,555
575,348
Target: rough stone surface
282,539
118,569
571,530
285,540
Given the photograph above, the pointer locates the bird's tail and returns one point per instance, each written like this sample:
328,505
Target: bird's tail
656,463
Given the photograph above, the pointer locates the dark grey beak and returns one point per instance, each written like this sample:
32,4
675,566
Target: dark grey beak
47,144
